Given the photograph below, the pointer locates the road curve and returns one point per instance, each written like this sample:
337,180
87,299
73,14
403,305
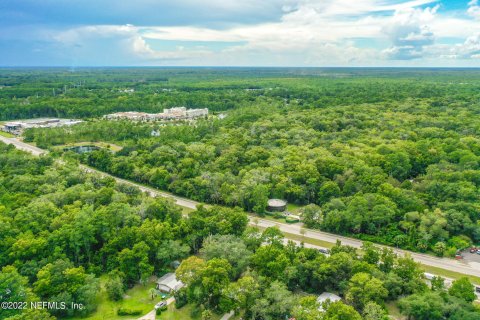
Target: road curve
464,267
23,146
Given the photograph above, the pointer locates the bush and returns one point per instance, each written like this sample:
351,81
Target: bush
160,310
451,251
129,312
180,298
115,288
292,220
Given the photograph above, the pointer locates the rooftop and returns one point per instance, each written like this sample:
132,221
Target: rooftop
276,203
170,281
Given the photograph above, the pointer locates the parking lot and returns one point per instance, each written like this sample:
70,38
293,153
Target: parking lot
471,257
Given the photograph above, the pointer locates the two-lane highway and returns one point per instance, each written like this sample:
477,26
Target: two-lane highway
470,268
22,145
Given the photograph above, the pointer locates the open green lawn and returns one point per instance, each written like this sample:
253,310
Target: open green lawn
187,211
6,134
135,298
181,314
100,144
393,311
294,208
316,242
449,274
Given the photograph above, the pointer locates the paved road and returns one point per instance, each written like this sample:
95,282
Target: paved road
23,146
183,202
470,268
464,267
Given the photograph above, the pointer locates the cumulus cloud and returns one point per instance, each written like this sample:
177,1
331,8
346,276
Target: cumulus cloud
295,32
474,9
409,32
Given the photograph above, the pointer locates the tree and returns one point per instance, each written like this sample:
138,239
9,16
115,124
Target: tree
152,293
424,306
312,216
275,303
328,191
188,270
364,288
463,289
410,274
171,250
13,288
241,294
371,253
273,236
60,281
340,311
271,261
373,311
114,286
134,263
227,247
212,279
307,308
437,283
439,248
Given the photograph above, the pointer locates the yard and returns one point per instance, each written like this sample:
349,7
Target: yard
185,314
136,298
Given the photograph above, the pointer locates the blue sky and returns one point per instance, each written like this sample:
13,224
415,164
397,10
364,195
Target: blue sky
240,33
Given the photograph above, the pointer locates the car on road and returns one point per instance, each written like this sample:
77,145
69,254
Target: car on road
477,289
161,305
473,250
324,251
478,252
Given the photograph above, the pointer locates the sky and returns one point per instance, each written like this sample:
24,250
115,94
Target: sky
303,33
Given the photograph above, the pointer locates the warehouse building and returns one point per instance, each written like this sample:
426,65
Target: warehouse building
17,127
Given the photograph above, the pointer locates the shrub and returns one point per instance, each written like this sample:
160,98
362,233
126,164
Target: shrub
129,312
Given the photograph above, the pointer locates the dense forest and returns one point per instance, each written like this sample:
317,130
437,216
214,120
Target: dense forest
61,229
390,156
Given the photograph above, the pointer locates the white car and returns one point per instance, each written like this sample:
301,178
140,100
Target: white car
161,304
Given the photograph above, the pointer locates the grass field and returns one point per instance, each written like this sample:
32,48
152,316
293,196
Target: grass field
6,134
180,314
393,311
315,242
450,274
104,145
135,298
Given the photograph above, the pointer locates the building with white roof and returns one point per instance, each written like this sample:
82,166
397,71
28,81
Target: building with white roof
168,283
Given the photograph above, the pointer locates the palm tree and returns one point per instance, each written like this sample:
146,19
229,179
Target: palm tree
152,292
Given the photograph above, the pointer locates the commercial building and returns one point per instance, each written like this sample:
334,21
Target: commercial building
178,113
17,127
130,115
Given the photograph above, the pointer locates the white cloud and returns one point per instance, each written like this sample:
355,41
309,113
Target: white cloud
310,32
474,9
409,32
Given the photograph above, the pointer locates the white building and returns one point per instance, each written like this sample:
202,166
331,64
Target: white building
168,283
178,113
327,297
17,127
196,113
130,115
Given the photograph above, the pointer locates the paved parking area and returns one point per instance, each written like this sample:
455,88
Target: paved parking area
471,257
